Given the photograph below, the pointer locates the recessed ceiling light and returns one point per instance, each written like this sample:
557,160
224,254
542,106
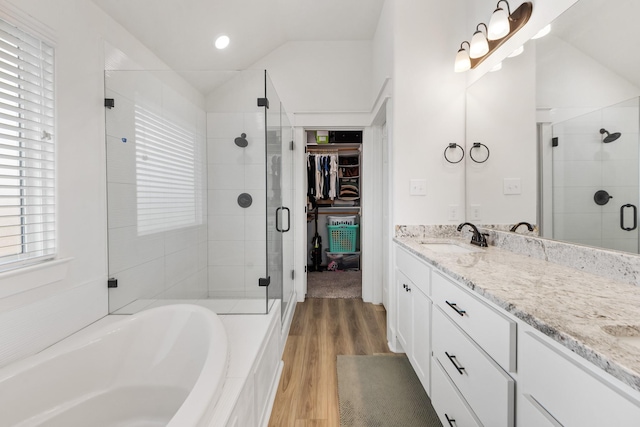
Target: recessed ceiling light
222,42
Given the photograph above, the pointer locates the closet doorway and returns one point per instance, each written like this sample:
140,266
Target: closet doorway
334,213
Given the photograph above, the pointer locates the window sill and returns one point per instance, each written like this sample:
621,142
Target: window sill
23,279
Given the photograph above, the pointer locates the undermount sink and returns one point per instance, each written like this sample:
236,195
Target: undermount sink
448,248
628,334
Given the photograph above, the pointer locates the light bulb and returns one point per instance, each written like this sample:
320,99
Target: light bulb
222,42
463,63
479,45
498,25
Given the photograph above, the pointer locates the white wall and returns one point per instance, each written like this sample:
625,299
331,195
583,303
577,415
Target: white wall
382,49
428,109
31,321
327,76
563,73
501,114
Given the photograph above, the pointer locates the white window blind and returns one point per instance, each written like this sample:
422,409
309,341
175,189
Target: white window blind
27,174
168,175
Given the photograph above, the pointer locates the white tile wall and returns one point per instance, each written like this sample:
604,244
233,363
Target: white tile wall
583,164
237,237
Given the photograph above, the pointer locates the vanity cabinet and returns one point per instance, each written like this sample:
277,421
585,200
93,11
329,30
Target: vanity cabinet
489,368
475,346
414,313
562,389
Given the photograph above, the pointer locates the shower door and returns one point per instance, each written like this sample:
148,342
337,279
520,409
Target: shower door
595,178
279,250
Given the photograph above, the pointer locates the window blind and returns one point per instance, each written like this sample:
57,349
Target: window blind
168,182
27,155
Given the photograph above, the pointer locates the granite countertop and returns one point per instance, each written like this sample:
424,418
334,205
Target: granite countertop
579,310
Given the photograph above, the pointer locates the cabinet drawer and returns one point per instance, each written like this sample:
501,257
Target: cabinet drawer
417,271
485,386
573,391
493,331
451,407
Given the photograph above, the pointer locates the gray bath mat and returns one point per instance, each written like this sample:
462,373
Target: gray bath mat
380,391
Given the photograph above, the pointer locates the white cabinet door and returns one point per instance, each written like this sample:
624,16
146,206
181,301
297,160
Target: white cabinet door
405,313
422,337
532,414
570,389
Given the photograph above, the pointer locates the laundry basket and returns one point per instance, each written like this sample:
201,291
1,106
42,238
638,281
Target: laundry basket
342,238
341,220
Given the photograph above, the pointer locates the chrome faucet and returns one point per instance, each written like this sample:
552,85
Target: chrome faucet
515,227
478,238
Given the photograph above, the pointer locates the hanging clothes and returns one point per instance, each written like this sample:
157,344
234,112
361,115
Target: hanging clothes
322,176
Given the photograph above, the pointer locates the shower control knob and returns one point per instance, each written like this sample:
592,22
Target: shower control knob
601,197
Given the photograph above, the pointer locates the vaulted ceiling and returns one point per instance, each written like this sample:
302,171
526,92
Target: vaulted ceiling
182,32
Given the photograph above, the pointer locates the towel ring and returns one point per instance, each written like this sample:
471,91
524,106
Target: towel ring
478,145
453,145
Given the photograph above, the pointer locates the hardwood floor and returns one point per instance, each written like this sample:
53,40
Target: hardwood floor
322,329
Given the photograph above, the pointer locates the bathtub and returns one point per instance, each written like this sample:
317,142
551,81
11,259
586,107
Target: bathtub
161,367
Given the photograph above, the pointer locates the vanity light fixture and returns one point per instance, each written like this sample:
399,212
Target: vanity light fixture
499,23
485,43
479,44
222,41
463,62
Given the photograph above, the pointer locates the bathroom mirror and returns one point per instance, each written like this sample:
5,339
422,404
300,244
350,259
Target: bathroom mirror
561,122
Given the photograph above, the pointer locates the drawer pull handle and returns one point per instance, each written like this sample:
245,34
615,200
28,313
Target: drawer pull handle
455,307
451,421
454,362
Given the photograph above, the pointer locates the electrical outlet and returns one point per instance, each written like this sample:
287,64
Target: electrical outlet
418,187
453,213
512,186
474,212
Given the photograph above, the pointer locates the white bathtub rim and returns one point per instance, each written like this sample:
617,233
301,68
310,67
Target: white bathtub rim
199,405
201,399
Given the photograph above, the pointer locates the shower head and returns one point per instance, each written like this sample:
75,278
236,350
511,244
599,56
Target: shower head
610,136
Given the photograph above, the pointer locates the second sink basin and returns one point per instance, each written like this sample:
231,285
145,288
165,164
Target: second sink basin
448,248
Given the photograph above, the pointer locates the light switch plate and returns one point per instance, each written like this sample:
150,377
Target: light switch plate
418,187
452,213
512,186
474,212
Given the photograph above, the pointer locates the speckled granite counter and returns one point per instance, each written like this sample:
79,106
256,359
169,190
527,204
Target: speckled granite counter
572,307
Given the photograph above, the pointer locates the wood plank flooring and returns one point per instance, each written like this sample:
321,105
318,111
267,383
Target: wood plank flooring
322,329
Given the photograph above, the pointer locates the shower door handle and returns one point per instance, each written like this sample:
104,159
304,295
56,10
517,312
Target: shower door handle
635,217
281,230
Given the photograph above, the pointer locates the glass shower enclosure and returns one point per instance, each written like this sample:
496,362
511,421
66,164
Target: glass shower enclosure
198,171
596,188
